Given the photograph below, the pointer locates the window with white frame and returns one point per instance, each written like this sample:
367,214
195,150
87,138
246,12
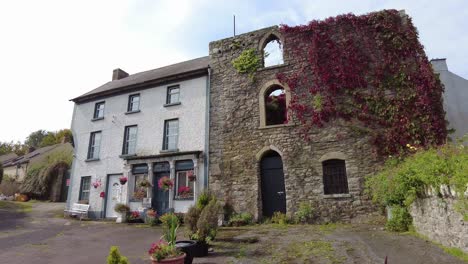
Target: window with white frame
99,110
173,94
133,103
184,180
84,188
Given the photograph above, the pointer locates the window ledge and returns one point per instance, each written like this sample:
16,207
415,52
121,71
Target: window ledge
273,67
132,112
124,156
90,160
169,150
172,104
338,195
276,126
97,119
183,199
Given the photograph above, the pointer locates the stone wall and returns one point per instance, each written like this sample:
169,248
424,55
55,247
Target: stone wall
238,141
437,219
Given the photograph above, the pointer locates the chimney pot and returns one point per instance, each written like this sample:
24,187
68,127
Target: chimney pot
118,74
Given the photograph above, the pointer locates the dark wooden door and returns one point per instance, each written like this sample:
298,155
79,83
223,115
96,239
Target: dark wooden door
272,182
160,200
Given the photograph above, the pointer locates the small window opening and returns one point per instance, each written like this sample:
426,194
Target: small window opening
275,106
273,53
335,180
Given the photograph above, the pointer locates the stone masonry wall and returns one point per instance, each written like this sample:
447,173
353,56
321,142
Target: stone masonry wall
237,141
437,219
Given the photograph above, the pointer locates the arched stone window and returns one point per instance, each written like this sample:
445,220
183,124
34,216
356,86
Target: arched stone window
272,50
335,180
274,100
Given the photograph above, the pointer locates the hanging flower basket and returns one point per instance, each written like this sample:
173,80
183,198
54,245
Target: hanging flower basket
165,183
191,176
123,180
96,184
145,183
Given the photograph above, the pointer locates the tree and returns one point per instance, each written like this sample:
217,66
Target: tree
35,138
49,140
1,173
64,134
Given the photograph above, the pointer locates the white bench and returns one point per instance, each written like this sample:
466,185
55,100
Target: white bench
77,209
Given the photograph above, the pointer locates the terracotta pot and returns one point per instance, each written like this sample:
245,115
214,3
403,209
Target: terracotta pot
178,260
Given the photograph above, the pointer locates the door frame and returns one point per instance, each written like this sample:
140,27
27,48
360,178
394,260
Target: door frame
104,212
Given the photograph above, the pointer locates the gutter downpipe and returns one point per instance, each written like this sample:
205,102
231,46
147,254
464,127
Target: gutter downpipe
207,129
73,165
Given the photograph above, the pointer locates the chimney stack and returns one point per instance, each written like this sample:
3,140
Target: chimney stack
439,65
118,74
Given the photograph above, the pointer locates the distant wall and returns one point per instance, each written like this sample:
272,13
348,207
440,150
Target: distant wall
437,219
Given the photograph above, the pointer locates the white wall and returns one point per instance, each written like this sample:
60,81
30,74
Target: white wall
150,121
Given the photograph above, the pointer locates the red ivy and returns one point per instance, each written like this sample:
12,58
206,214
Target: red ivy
370,70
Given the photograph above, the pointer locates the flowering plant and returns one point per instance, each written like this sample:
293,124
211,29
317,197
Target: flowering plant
191,176
165,183
162,250
102,194
145,183
151,213
184,191
97,183
123,180
134,215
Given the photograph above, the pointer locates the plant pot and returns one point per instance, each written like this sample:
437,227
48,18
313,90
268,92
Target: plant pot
133,221
200,249
177,260
188,247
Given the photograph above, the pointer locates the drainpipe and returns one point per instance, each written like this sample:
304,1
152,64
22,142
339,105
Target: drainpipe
73,165
207,129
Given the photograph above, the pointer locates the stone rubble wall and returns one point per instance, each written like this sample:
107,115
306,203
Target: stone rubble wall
437,219
237,140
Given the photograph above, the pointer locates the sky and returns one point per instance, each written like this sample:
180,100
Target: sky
52,51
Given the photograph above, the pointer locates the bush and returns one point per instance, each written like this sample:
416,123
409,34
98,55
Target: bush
191,219
241,219
122,208
181,217
279,218
400,219
204,199
9,187
305,213
207,224
115,257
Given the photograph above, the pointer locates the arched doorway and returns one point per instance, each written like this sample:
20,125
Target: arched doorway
272,184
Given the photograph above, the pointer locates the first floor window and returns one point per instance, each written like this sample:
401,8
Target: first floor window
99,110
171,134
84,188
94,145
130,137
133,103
184,186
335,180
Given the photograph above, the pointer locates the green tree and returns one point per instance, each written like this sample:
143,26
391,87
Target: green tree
49,140
35,138
64,134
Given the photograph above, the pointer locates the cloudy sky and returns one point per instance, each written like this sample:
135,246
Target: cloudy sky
52,51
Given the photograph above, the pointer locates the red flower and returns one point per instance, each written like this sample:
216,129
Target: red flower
184,190
102,194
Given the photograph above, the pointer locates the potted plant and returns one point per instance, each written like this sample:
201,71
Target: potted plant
202,222
165,183
191,176
134,217
166,251
184,191
96,184
122,210
151,217
123,180
145,183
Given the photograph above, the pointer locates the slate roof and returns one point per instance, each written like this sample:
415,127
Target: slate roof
25,158
140,79
7,157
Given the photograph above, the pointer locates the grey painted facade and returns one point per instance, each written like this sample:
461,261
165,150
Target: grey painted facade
455,98
149,142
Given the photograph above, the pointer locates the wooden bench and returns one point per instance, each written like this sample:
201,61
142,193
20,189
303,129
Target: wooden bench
80,210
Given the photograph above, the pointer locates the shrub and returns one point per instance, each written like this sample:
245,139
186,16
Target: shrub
204,199
279,218
400,220
115,257
170,224
241,219
248,62
9,186
305,213
191,219
207,224
121,208
181,217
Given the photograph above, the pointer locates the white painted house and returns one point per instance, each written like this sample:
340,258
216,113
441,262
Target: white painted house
142,126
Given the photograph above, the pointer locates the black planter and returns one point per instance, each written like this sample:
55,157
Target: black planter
200,250
188,247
